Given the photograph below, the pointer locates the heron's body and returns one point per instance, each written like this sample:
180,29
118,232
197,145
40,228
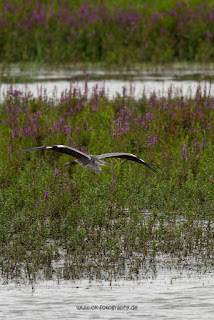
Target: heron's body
91,161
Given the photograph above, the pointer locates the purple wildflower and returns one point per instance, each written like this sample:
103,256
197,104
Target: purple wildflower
126,126
185,151
15,93
38,166
67,129
209,34
151,141
56,172
15,132
149,115
85,124
9,149
203,142
46,194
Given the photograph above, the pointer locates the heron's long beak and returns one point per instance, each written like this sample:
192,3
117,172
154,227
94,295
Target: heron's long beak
103,163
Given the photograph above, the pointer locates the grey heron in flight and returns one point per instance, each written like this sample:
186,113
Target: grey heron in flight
90,161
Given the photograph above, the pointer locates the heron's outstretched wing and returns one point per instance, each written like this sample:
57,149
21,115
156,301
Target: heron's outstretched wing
63,149
127,156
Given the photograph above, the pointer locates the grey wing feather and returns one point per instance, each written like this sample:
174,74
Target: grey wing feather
127,156
63,149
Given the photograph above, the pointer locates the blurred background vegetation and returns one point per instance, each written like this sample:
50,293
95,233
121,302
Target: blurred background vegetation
107,32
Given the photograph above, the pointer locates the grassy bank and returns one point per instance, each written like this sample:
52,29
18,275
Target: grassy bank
100,225
107,32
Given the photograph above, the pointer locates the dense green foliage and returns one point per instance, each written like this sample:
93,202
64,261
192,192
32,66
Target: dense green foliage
107,32
127,214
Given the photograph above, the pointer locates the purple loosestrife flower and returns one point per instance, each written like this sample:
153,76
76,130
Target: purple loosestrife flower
34,116
46,194
154,17
9,149
209,34
15,132
8,7
85,124
56,172
126,126
172,13
151,141
67,129
38,166
155,139
15,93
149,115
58,125
203,142
94,108
185,151
211,14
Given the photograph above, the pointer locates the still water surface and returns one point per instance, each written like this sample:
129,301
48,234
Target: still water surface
171,295
182,81
112,87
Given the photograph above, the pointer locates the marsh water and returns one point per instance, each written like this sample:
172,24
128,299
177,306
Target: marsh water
171,294
144,81
167,294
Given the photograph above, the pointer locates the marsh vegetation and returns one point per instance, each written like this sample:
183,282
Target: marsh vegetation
71,223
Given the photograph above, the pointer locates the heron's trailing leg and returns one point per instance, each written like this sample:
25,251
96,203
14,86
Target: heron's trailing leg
70,163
